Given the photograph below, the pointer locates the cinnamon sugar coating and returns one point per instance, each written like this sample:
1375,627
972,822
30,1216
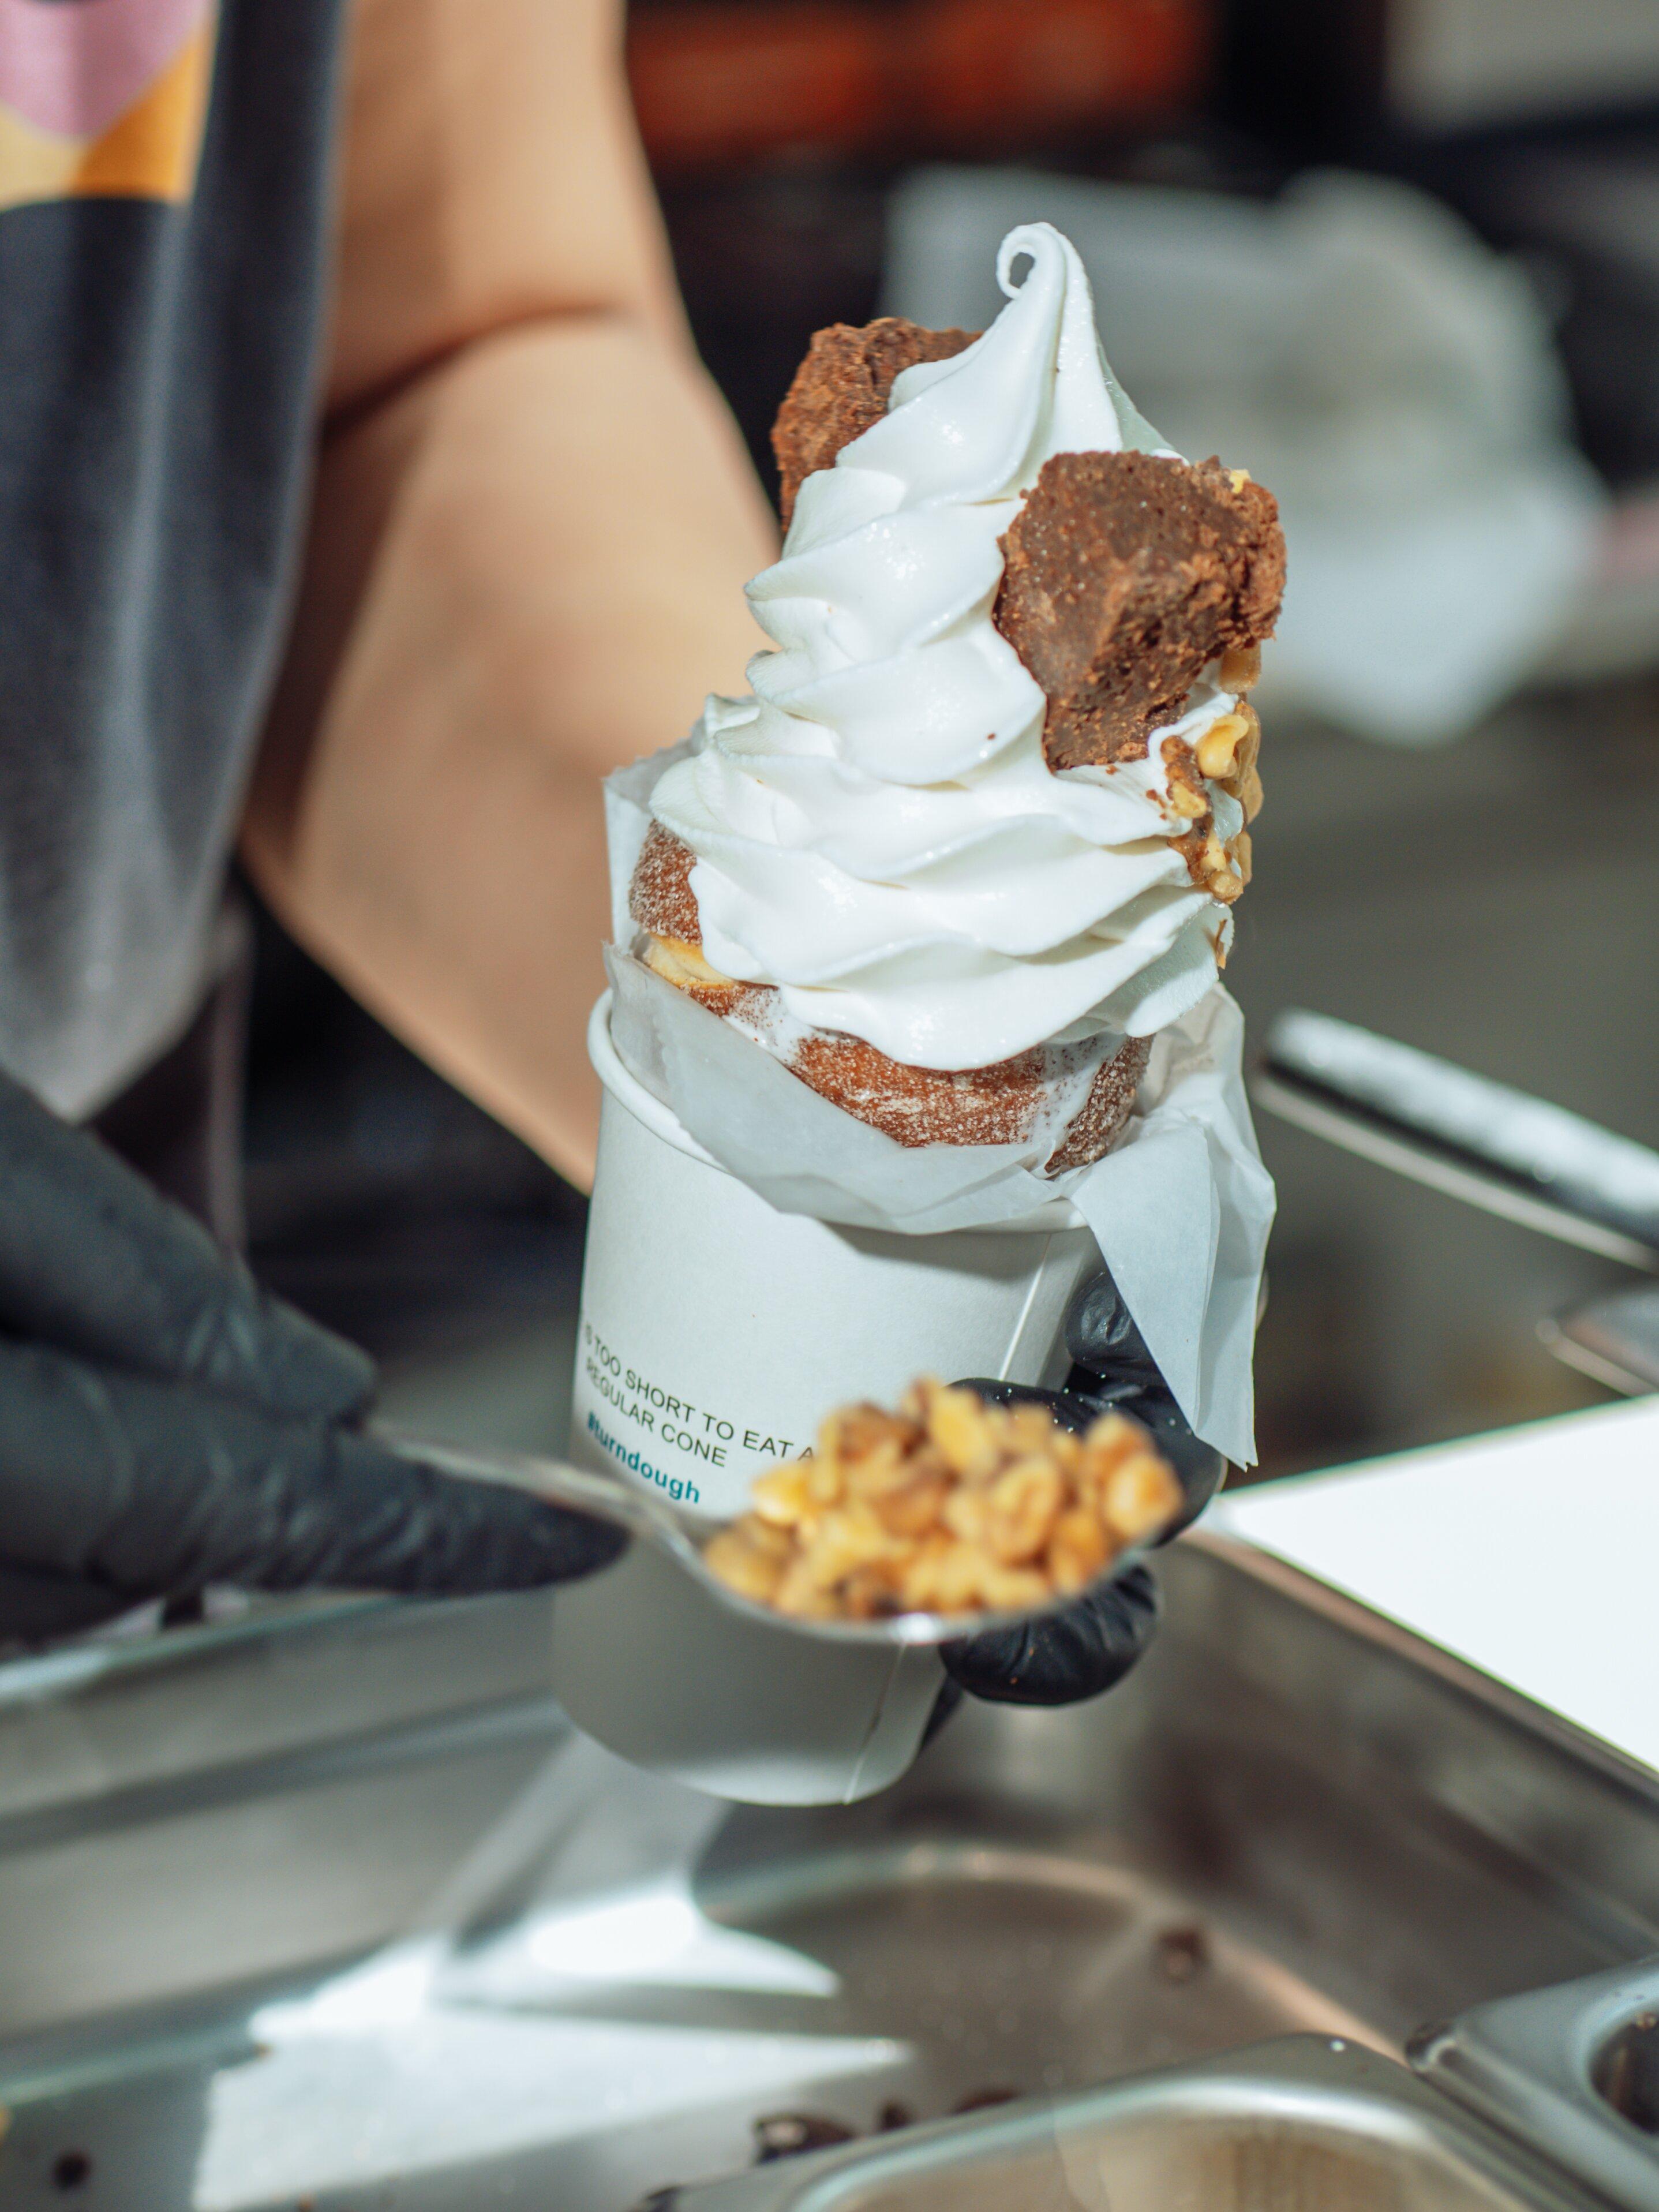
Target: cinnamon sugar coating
842,388
1108,1105
1124,575
661,897
996,1105
661,900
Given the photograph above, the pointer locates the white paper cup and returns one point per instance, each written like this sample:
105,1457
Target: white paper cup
649,1664
715,1333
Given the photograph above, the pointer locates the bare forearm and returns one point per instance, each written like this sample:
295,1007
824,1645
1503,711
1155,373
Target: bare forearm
524,571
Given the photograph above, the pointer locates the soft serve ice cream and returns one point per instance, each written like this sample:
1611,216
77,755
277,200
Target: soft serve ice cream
872,864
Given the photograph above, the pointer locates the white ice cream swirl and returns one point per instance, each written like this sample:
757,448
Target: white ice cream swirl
876,831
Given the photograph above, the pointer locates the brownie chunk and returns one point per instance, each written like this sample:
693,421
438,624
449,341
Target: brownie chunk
1124,575
841,391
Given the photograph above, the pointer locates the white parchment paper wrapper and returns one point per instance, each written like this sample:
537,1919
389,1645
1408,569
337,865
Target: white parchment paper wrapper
1181,1208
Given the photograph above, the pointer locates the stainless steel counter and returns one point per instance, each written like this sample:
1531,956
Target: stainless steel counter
334,1906
1301,2123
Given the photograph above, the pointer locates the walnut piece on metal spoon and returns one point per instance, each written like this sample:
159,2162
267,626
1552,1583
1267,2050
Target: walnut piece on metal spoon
950,1505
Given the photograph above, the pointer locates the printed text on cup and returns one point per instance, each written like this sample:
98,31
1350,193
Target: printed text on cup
674,1421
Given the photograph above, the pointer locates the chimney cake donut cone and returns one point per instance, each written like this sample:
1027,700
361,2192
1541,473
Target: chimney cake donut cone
1083,1094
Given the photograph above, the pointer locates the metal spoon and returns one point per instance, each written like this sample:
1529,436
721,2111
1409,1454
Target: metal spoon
1492,1147
648,1521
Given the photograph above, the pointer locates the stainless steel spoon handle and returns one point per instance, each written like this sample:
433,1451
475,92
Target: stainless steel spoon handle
553,1479
1480,1141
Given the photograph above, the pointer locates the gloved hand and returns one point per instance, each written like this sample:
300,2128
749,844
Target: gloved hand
1092,1643
165,1424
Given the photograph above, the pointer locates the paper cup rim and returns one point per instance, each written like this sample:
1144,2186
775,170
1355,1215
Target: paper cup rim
628,1091
662,1121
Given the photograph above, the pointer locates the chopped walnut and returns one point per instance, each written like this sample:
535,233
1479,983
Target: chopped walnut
1218,749
1225,755
949,1506
1243,780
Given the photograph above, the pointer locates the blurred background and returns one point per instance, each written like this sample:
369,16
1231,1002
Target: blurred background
1398,257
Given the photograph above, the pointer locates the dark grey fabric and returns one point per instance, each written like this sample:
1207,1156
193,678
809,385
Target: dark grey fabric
157,395
180,1124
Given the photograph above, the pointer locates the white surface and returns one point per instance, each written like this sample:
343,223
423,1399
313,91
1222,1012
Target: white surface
878,835
1533,1554
1454,62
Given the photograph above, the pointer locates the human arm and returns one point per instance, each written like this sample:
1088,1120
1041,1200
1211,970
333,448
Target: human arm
532,523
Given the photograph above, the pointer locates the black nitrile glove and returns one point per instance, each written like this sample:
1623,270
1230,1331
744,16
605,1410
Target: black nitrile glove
165,1424
1092,1643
